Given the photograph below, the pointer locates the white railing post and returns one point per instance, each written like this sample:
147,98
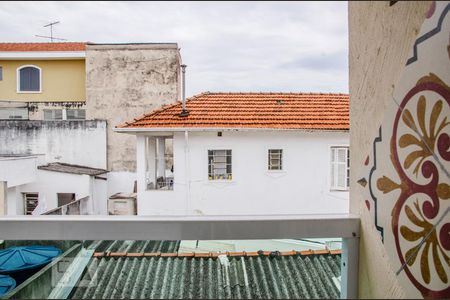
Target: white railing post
349,267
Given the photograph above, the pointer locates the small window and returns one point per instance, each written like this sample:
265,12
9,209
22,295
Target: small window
65,198
13,113
275,159
1,73
29,79
340,168
76,114
52,114
31,201
219,165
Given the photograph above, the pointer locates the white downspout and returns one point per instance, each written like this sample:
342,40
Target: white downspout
91,194
187,172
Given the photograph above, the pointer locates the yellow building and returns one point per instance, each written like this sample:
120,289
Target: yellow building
42,81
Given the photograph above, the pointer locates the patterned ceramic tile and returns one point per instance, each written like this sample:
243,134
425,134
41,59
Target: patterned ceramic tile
406,179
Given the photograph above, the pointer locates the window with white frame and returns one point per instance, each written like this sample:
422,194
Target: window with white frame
340,168
29,79
31,201
275,159
75,114
53,114
219,165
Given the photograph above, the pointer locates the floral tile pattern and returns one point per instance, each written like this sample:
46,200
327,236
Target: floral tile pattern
406,178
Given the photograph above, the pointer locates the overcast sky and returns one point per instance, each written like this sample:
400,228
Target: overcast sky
228,46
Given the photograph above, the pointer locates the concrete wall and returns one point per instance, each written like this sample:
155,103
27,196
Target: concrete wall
74,142
18,170
381,37
62,80
303,187
125,81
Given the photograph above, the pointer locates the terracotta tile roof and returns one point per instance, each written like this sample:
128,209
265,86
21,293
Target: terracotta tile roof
253,110
26,47
216,254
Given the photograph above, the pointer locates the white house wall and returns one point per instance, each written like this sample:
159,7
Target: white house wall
99,195
303,187
18,170
49,183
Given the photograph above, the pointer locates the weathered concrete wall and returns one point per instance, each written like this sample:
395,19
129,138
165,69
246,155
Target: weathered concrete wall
125,81
380,39
73,142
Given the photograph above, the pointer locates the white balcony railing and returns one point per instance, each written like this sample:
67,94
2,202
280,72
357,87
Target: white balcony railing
196,228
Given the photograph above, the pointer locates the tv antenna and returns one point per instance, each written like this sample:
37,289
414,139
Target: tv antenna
51,37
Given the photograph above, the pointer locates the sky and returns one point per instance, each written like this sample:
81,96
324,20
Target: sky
227,46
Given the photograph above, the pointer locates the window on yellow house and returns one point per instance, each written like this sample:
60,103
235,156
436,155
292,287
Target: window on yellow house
29,79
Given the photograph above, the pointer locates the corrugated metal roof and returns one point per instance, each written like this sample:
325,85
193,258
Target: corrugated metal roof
224,277
138,246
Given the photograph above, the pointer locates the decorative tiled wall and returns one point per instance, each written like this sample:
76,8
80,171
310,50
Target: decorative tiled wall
406,177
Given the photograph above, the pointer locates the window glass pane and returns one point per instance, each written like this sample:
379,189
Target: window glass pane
219,164
29,79
275,159
52,114
1,73
76,114
12,113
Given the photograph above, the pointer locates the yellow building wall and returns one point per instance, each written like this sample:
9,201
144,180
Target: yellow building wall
62,81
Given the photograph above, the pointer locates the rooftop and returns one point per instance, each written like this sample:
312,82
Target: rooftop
262,274
72,169
252,110
27,47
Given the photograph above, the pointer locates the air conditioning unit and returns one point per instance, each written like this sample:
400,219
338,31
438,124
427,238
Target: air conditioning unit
122,204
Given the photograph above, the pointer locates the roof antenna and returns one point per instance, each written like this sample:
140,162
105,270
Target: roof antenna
51,32
184,112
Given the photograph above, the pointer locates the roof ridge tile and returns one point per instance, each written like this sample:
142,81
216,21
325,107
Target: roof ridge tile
216,254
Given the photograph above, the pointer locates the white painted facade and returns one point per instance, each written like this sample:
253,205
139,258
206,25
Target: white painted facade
19,175
302,187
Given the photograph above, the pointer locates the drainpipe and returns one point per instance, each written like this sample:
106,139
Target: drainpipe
184,112
187,172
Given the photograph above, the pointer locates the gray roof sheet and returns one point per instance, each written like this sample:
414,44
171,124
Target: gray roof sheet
227,277
72,169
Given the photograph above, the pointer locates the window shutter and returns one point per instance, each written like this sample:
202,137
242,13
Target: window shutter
339,168
25,79
34,79
29,79
341,180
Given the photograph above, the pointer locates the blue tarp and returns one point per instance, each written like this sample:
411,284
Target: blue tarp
7,283
15,259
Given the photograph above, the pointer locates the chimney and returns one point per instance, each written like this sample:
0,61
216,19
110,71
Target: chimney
184,112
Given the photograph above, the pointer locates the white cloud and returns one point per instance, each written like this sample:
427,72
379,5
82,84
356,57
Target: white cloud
228,46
